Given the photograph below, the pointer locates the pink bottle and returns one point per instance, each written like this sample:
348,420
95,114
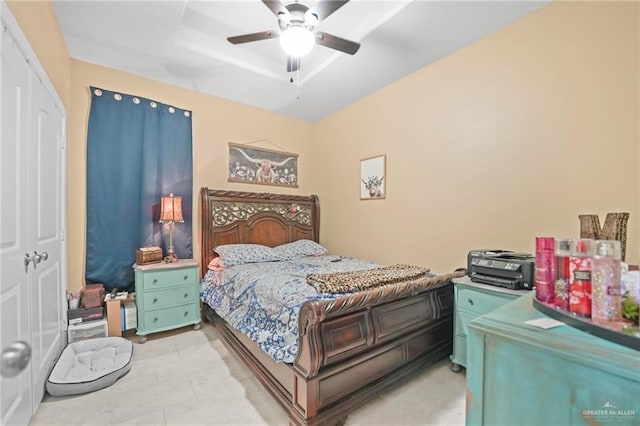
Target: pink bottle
580,278
563,251
545,269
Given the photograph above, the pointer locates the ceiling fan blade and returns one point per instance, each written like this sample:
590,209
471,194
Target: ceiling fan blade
325,8
245,38
293,64
337,43
277,7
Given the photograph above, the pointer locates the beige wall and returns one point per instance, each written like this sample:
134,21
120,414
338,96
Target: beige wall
215,122
507,139
38,22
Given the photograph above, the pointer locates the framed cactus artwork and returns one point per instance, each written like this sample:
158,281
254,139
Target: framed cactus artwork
373,178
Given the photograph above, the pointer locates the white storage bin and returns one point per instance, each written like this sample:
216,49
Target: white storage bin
87,330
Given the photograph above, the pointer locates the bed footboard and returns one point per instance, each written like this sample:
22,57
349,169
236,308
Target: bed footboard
349,347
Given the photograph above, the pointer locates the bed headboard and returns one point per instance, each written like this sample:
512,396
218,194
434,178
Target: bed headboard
235,217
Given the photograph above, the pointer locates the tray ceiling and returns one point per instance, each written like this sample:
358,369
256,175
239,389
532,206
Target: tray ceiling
183,43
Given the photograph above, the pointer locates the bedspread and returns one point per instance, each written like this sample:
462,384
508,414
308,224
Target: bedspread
263,300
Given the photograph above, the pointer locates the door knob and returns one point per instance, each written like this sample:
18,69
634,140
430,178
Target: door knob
39,257
27,260
14,359
35,258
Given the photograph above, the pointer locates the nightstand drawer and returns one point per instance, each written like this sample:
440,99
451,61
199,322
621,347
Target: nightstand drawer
479,302
172,317
473,300
463,322
170,297
169,278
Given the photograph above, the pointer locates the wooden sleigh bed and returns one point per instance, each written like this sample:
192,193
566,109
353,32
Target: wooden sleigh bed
350,348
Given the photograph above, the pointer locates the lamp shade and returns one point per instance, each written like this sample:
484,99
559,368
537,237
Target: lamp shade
297,41
171,209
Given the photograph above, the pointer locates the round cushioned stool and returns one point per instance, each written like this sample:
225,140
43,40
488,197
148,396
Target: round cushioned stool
90,365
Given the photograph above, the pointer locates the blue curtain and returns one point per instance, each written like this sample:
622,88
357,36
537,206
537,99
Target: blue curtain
137,151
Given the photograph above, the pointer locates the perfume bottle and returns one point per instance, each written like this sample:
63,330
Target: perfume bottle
544,272
563,249
606,299
580,277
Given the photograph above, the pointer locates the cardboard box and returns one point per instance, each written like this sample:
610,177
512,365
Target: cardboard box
114,315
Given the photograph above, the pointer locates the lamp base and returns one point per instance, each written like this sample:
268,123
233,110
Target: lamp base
171,256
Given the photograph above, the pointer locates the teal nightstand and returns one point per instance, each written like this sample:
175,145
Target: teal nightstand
167,296
524,375
471,301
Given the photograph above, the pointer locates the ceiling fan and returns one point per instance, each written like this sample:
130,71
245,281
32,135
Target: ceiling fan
298,32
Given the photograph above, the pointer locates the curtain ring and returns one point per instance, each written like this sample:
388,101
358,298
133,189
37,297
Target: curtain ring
153,104
98,92
117,97
187,113
136,101
172,110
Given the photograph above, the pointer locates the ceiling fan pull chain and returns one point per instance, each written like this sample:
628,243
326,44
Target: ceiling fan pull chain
298,84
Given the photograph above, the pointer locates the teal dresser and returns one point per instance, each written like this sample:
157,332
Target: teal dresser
167,296
519,374
471,301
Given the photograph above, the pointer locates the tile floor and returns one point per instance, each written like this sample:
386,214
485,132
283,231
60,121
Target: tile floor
188,377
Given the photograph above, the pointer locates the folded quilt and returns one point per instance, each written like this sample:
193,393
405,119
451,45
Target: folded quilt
352,281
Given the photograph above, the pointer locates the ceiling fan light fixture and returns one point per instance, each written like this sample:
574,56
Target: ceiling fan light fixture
310,18
297,41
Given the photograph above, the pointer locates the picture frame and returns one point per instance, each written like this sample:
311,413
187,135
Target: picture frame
260,166
373,178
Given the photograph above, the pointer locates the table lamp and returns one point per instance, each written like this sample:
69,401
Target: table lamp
171,212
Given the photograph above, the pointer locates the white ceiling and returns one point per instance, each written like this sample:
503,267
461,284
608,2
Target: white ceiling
183,43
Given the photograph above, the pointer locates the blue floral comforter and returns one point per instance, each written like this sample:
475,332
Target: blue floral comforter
262,300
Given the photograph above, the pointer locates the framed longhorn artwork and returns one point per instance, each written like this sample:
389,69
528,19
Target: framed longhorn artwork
373,175
248,164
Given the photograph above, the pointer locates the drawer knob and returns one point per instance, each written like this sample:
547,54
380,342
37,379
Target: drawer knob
185,295
155,280
185,278
155,300
186,313
155,319
470,301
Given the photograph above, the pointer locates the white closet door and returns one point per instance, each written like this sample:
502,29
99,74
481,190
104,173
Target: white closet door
32,222
15,392
47,286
